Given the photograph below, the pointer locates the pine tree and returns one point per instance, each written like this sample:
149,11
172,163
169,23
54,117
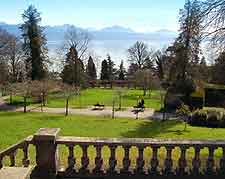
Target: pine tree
111,68
34,44
91,69
104,70
189,38
218,70
73,72
121,72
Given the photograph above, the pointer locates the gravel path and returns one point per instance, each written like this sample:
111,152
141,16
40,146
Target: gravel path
107,112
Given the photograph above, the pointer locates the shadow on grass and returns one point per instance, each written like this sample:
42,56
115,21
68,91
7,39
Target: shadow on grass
153,129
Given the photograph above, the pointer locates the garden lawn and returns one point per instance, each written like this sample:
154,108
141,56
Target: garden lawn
15,126
91,96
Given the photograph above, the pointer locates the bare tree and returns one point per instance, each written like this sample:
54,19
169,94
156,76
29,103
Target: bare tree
145,80
138,54
11,56
214,22
68,92
119,93
15,60
78,39
24,89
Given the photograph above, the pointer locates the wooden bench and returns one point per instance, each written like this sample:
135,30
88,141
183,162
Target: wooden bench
99,106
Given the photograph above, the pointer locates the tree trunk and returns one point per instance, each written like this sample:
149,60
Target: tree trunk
120,102
113,110
24,104
144,92
67,106
10,100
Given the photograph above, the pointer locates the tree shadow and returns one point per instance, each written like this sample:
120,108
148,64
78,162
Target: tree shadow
152,129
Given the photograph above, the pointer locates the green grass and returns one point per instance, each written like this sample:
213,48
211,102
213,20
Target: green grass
89,97
16,126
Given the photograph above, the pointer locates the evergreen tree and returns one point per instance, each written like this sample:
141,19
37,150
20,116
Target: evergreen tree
121,72
73,72
219,69
91,69
111,68
189,39
185,51
104,70
34,44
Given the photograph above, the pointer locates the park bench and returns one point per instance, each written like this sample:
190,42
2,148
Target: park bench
139,108
99,106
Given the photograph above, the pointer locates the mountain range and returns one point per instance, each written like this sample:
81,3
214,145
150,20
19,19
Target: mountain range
113,40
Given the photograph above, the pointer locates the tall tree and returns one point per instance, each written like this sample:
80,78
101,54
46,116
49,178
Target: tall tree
91,69
186,49
16,60
189,38
219,70
4,46
73,72
34,44
11,57
214,20
138,54
111,68
160,59
104,70
77,39
121,72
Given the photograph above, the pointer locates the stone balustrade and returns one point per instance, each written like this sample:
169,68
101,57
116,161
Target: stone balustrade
12,151
175,161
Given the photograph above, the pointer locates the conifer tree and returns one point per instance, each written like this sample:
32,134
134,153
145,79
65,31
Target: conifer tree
91,69
34,44
104,70
121,72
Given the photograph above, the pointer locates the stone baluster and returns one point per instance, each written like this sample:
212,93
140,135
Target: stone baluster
154,161
140,160
84,159
126,160
71,159
112,159
26,160
1,164
196,163
222,162
12,158
98,159
210,162
168,162
182,163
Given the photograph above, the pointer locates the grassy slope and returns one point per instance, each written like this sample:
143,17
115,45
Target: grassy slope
15,126
90,97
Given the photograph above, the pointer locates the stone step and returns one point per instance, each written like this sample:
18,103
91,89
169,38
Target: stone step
15,172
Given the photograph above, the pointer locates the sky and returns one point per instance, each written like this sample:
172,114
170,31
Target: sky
139,15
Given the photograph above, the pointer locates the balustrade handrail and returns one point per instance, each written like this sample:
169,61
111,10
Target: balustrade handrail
135,141
14,147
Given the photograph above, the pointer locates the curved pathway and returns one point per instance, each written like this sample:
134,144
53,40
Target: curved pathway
107,112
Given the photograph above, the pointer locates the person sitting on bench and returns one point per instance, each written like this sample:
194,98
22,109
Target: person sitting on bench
99,106
141,104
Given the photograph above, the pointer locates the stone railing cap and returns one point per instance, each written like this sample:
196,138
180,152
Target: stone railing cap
47,134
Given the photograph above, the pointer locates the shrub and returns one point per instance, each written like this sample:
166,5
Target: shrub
213,120
207,118
198,118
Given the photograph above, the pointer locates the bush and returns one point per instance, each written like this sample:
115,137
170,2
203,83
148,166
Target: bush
205,118
198,118
213,120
